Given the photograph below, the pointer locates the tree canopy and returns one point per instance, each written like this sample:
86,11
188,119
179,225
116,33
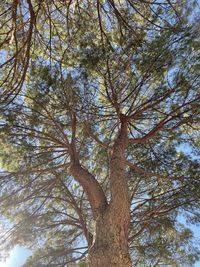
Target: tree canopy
98,99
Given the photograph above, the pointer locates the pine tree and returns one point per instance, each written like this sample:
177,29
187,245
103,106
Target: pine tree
97,99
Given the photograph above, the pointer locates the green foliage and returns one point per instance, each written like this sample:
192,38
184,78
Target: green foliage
88,65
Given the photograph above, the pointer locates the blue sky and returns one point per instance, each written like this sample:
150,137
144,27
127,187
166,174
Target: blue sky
19,254
17,257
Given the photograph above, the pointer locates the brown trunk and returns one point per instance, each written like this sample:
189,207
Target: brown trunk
110,246
110,239
110,243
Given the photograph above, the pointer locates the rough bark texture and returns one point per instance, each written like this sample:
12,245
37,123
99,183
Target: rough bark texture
110,248
92,188
110,242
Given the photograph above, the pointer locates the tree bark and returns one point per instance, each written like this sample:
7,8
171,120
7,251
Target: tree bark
91,187
110,246
110,241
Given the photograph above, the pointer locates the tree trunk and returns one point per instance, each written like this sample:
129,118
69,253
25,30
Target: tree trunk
110,242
